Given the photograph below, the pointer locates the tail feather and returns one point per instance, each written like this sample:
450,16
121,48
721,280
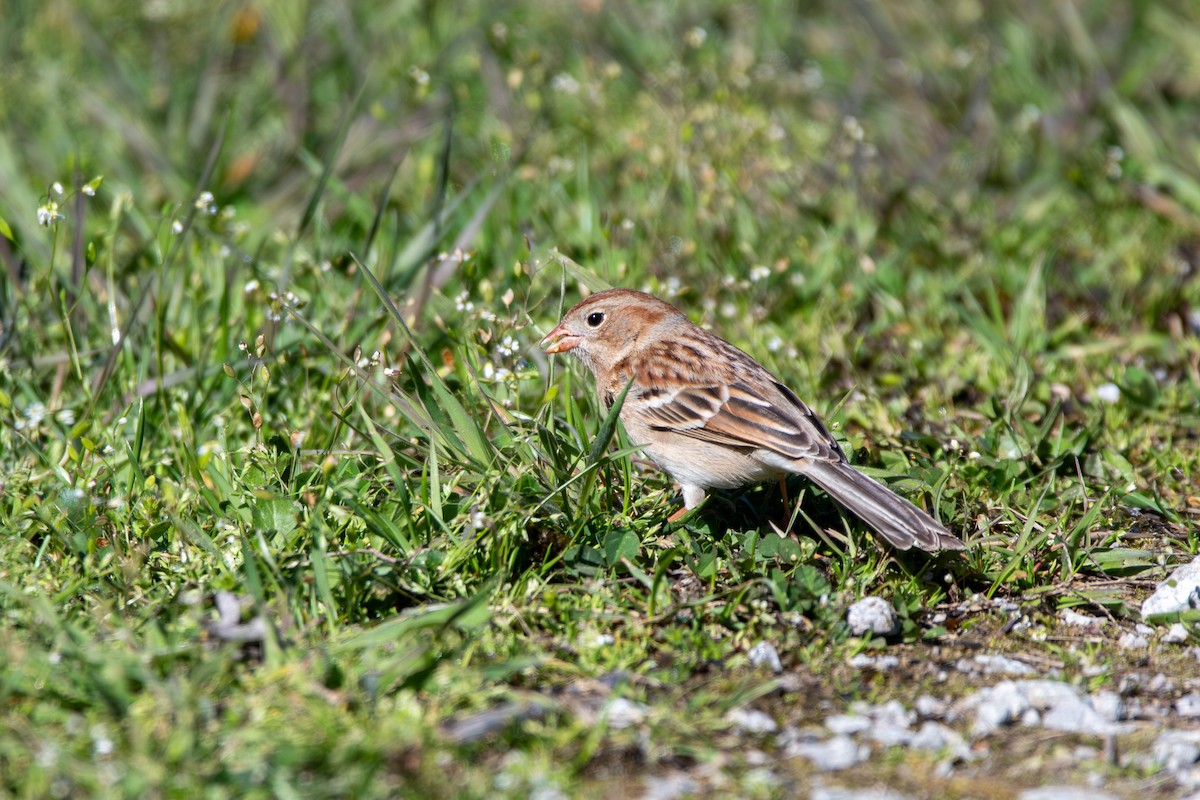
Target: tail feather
895,519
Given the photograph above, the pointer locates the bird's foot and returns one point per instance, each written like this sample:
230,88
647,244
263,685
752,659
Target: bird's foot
678,515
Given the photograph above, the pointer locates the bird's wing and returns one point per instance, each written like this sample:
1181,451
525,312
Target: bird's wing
754,412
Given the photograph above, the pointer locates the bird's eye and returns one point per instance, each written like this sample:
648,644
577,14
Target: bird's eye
595,318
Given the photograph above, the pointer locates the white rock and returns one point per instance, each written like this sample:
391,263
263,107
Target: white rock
935,736
1176,750
1064,793
1176,634
623,713
991,664
669,787
1132,641
838,752
1076,620
928,706
839,793
764,654
879,663
1188,706
873,615
847,724
749,720
1179,592
1110,706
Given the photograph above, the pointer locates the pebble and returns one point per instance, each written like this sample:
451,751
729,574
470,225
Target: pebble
670,786
986,664
1179,592
1077,620
929,706
1188,706
750,720
934,736
873,615
878,663
1176,750
847,724
839,793
624,713
1132,641
837,752
1110,706
1064,793
1176,634
764,654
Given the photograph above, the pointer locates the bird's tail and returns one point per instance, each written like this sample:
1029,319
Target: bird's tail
898,521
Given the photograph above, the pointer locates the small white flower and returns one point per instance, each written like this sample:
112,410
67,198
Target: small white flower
34,413
57,188
759,272
204,200
251,287
48,213
811,76
89,190
419,76
102,745
176,227
852,128
1108,392
65,416
564,83
1112,162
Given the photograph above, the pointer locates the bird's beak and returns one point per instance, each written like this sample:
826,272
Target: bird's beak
561,340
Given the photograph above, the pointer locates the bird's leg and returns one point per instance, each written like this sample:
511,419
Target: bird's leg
692,497
787,512
783,490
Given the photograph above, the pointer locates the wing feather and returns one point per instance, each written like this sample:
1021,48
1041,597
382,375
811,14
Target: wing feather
749,409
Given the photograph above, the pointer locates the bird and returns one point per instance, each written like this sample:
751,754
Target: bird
712,417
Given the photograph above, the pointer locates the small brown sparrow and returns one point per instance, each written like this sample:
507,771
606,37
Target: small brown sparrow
712,417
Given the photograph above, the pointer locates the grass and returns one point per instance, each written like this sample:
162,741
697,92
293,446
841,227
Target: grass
955,228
